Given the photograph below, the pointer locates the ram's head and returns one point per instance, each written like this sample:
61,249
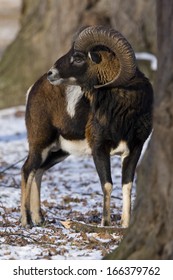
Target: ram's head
99,57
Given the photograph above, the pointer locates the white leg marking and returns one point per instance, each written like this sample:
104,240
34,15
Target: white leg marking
35,198
23,203
25,198
107,190
125,219
28,189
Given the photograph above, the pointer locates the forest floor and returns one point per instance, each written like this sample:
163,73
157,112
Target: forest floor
70,191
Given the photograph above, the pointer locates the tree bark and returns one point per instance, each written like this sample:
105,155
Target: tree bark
36,46
151,231
47,27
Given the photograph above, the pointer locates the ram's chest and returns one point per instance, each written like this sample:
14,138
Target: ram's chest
73,96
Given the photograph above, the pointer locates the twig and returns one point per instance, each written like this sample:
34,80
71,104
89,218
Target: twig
2,234
98,193
11,166
81,227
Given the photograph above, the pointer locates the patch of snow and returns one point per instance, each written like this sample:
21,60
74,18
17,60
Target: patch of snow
18,252
147,56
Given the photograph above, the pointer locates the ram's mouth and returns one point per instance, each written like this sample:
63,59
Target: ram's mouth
53,76
56,82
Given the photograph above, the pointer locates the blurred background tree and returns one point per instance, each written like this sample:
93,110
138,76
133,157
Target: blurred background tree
46,30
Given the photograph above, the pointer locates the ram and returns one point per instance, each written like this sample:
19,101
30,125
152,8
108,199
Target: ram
98,103
103,63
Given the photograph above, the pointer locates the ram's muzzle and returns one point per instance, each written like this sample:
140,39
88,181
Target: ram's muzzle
53,76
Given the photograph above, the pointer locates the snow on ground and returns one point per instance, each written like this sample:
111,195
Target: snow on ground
70,190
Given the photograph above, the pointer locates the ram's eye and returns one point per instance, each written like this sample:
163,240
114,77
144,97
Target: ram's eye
78,59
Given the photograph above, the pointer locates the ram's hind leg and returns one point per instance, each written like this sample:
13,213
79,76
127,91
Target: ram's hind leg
30,189
35,204
35,207
25,219
32,172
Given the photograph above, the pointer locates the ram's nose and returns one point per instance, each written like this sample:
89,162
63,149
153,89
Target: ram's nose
49,73
53,74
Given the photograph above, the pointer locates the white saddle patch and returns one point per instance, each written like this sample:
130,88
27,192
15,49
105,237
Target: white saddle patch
75,147
81,147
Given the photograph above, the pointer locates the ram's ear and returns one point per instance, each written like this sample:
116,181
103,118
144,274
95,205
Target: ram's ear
95,57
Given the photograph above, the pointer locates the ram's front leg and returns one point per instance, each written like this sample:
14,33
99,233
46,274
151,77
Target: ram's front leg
128,171
102,162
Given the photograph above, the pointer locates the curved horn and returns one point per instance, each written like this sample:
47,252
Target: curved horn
115,41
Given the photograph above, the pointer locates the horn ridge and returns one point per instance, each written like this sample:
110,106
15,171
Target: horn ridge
101,35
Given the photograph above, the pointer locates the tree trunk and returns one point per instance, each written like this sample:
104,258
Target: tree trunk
47,27
150,234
